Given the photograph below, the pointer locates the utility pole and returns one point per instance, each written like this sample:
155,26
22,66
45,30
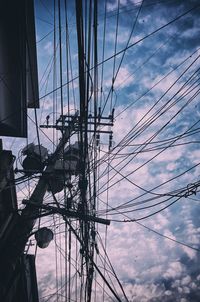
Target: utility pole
25,222
86,209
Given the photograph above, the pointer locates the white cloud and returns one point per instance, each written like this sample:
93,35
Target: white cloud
175,270
48,47
124,79
186,280
140,257
114,4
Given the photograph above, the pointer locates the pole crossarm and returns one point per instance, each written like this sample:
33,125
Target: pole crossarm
71,214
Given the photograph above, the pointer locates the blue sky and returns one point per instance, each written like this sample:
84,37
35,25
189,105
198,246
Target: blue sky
155,155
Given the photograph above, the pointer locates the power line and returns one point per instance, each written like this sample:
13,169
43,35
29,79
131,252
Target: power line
129,220
128,47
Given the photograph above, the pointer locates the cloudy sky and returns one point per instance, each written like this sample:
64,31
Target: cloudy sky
149,181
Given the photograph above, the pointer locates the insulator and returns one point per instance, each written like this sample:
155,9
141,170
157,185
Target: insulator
110,141
113,111
97,139
47,119
93,234
99,113
96,248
